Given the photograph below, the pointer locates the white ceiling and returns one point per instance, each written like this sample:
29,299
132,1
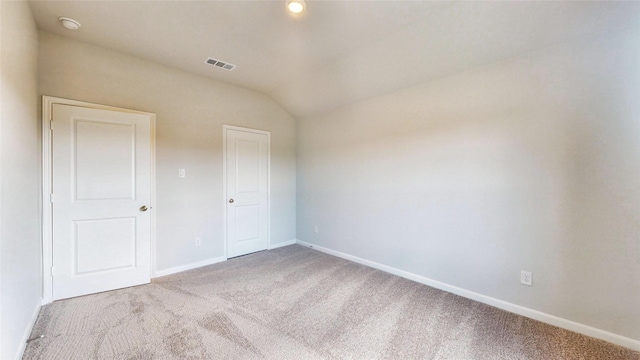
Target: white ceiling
337,52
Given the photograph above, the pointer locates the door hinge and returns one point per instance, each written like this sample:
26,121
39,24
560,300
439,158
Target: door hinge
52,271
51,198
51,124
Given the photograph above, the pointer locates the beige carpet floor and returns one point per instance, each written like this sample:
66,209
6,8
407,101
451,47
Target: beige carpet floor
296,303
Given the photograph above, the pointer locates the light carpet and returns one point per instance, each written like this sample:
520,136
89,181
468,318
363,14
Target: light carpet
296,303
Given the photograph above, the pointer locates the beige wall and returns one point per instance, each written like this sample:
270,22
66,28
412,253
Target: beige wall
532,163
190,113
20,269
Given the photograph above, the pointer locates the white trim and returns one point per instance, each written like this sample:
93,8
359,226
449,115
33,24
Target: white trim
47,246
224,191
517,309
226,127
198,264
177,269
27,333
1,234
282,244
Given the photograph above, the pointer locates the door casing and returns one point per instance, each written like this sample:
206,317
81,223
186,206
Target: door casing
47,214
224,181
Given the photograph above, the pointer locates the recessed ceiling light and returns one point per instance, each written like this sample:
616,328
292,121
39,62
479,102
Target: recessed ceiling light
69,23
296,6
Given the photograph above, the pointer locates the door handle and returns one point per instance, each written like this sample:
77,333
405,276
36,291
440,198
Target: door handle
230,201
143,208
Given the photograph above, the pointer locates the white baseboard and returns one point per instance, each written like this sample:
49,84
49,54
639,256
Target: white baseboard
191,266
281,244
198,264
517,309
27,332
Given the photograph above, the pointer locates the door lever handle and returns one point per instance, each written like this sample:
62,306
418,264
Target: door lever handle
143,208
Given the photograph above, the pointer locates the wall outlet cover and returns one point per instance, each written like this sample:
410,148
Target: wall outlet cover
526,278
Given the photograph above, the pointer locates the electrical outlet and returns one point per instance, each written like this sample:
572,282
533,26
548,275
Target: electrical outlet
198,241
182,173
526,278
315,229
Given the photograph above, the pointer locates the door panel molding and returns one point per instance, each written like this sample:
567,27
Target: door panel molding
225,189
47,178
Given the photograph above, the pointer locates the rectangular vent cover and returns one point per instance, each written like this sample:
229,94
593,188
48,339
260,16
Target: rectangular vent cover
220,64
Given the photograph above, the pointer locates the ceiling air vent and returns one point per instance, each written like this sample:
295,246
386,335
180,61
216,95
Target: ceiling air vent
220,64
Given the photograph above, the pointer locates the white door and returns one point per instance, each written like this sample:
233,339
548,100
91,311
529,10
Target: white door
101,193
247,190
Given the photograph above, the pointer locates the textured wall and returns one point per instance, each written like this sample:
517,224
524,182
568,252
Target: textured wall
532,163
190,113
20,269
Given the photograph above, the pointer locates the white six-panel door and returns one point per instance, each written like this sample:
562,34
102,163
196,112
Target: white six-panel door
247,190
101,181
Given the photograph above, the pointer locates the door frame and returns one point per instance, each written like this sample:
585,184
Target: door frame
47,175
226,127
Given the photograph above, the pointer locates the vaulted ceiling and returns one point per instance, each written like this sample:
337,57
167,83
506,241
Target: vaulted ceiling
336,52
